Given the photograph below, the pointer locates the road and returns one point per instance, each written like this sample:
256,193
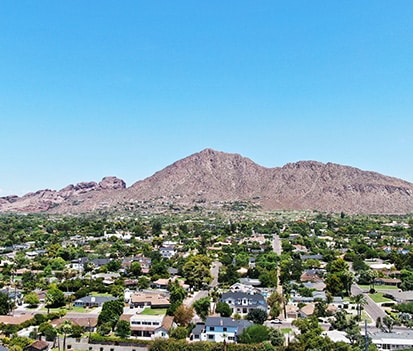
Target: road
371,308
215,272
203,293
276,244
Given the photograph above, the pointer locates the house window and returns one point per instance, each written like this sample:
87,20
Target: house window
210,337
224,329
231,338
212,328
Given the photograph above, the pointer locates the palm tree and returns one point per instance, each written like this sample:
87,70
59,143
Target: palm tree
65,328
348,279
360,300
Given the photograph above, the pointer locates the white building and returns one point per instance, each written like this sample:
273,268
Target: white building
393,341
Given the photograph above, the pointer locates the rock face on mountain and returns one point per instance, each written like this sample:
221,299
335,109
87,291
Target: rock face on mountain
212,176
47,200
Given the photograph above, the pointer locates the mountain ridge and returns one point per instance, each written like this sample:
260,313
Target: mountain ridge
214,176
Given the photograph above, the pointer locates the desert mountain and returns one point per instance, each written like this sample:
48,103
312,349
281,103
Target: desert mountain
212,176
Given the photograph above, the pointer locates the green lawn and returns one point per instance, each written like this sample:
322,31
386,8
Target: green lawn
378,298
365,316
150,311
71,309
80,309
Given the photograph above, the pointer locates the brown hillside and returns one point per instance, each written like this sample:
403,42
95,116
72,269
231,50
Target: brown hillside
210,176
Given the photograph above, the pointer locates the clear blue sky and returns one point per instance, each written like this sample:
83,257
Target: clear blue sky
96,88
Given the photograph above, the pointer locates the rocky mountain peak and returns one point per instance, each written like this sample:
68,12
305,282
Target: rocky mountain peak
211,176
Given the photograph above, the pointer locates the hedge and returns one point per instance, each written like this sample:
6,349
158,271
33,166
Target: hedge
181,345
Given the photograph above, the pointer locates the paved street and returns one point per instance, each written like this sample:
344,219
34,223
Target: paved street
215,272
276,244
371,308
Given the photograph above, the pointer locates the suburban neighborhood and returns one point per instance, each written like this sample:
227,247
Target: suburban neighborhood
283,282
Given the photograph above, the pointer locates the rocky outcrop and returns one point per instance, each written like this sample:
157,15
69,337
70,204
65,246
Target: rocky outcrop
45,200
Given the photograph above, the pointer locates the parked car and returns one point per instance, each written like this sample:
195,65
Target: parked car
275,321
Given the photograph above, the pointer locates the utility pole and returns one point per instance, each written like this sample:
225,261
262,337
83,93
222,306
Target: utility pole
365,335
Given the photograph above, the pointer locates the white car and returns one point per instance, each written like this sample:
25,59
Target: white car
275,321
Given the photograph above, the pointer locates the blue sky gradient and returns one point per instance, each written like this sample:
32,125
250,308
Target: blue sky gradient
96,88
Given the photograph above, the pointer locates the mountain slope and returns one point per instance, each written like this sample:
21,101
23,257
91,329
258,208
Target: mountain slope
213,176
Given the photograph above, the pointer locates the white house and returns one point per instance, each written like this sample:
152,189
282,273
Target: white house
393,341
219,329
149,326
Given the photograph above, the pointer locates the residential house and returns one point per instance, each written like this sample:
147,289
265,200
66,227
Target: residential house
242,303
143,300
38,345
312,275
78,264
144,262
92,301
219,329
89,324
307,310
163,283
167,252
108,278
393,341
292,311
400,296
248,289
336,336
149,326
15,320
250,281
387,281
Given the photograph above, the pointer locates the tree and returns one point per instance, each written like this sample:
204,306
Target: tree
202,307
135,269
20,341
32,299
223,309
197,271
310,337
275,301
276,337
48,331
320,309
143,283
254,334
389,323
123,329
179,333
183,315
176,292
105,328
111,311
257,316
334,284
65,329
360,301
228,275
5,304
54,297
